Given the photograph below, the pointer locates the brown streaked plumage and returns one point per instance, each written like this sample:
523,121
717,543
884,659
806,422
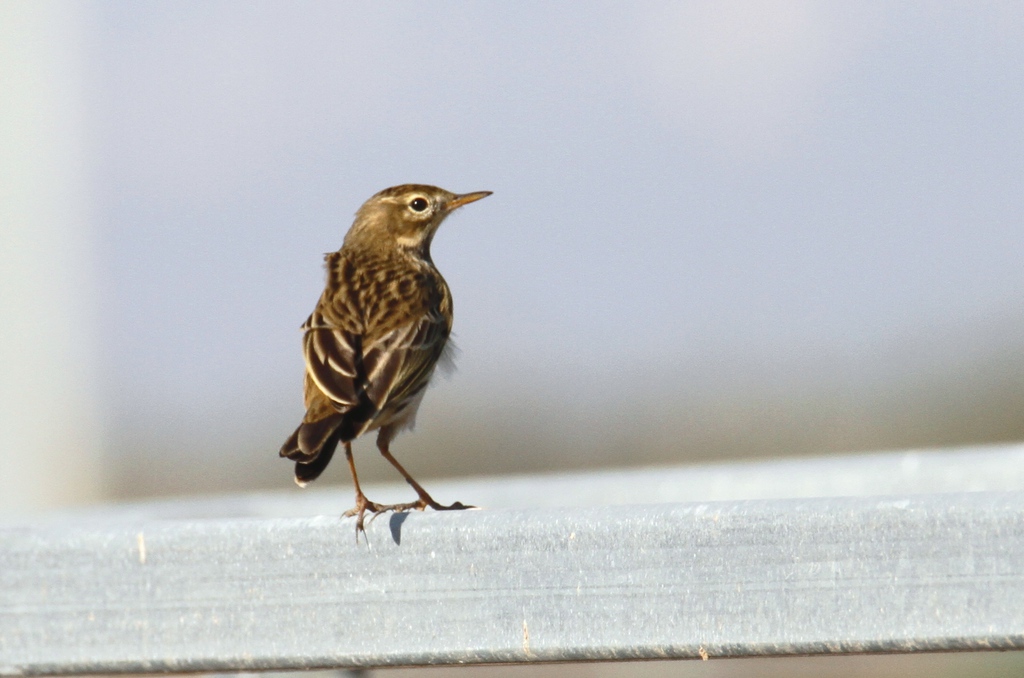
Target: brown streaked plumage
376,335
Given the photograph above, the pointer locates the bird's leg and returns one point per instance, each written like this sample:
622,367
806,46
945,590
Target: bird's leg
425,499
362,503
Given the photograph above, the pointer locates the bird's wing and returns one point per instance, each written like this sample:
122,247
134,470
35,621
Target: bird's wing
392,368
399,364
332,356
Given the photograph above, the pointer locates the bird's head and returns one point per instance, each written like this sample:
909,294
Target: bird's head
406,215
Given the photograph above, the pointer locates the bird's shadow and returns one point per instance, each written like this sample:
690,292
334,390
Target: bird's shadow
395,523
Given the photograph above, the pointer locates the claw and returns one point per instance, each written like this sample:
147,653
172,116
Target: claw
359,510
364,505
457,506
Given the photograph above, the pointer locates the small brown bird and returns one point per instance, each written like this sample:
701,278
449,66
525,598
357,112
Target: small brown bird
376,335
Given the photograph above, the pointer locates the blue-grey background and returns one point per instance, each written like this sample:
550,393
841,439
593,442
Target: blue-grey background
716,226
717,229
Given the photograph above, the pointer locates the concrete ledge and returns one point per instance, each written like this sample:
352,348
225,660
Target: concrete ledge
726,578
186,586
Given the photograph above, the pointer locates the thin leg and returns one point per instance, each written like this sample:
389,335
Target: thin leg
362,503
425,499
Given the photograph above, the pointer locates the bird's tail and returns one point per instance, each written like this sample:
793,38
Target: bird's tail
312,446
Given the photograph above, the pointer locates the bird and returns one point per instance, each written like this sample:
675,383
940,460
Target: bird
375,337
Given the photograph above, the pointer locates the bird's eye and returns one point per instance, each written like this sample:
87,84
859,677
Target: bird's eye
419,205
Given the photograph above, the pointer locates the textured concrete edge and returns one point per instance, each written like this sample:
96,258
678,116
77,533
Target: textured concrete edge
1008,502
703,652
994,510
985,468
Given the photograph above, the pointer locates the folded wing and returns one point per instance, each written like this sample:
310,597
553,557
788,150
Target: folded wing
372,385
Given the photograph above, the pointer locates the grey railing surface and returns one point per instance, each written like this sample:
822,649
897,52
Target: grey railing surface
898,552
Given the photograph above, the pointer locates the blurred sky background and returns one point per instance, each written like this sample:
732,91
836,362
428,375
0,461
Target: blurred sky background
718,229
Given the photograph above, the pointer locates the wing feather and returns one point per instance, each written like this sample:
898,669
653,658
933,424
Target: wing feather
331,364
373,383
403,360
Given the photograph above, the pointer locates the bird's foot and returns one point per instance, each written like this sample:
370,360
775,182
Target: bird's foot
364,505
426,500
456,506
395,508
421,505
359,510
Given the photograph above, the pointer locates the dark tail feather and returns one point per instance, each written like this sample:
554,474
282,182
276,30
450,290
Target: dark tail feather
311,470
291,449
314,435
312,445
310,437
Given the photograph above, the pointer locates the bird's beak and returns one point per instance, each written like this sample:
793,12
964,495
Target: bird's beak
466,198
